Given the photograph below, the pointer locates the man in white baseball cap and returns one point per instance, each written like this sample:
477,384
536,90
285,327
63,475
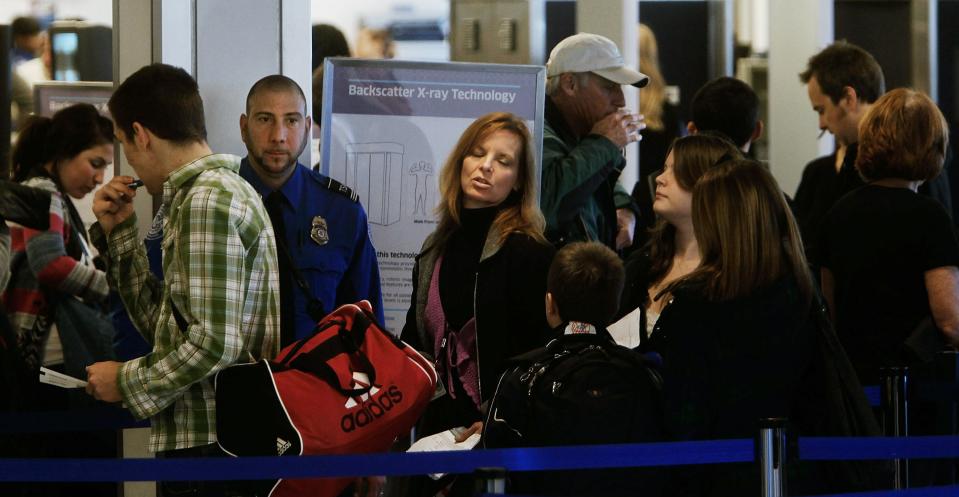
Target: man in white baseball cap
586,130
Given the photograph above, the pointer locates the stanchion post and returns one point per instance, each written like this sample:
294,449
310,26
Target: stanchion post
947,372
491,480
771,455
894,388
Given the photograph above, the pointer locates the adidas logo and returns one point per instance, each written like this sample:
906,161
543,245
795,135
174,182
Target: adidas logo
282,446
360,380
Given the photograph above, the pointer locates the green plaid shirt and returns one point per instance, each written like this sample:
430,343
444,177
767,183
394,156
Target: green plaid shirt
220,271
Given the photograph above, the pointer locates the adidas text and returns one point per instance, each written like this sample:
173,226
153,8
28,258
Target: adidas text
372,409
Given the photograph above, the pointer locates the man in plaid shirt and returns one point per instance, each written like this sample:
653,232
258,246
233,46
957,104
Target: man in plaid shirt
219,302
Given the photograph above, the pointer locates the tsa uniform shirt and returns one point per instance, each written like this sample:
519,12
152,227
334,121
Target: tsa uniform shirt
338,262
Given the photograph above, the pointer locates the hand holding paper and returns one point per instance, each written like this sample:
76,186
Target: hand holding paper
442,441
102,378
51,377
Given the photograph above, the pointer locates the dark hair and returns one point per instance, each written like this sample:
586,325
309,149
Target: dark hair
328,41
163,99
746,233
692,156
24,26
275,83
586,280
904,135
69,132
843,64
727,105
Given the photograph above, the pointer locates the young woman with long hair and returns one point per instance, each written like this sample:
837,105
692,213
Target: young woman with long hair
480,278
737,335
672,250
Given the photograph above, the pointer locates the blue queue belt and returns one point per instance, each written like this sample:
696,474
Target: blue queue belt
89,419
384,464
526,459
927,391
848,448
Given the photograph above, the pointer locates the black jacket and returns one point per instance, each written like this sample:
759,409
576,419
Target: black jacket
508,303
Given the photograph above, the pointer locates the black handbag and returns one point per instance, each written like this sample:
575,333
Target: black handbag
833,404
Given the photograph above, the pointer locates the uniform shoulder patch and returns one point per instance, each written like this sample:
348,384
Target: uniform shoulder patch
336,187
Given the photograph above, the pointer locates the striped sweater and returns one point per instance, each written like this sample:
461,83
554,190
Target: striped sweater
41,266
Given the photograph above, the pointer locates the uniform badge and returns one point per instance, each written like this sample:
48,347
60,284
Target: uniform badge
319,232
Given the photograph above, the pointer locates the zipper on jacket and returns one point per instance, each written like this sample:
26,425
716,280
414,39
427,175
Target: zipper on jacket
479,374
659,321
586,233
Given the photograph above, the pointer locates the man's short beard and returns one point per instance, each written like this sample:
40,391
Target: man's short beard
259,161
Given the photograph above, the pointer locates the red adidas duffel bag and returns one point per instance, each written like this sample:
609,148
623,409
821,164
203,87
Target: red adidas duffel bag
350,388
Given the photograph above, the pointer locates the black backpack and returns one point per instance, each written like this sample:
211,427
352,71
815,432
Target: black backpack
579,389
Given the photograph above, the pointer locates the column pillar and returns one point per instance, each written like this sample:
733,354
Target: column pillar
617,20
797,31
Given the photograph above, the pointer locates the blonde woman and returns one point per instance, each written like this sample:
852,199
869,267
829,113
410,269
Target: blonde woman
480,278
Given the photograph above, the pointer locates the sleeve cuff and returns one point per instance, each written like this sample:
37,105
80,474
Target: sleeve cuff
132,391
124,239
607,147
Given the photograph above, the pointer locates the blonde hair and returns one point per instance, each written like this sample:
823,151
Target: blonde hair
522,213
653,95
375,44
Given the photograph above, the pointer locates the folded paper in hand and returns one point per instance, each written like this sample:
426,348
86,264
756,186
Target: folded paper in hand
51,377
442,441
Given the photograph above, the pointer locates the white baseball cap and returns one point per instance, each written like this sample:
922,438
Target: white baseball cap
594,53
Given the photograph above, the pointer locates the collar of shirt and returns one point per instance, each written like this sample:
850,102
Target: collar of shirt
578,328
291,190
190,170
554,118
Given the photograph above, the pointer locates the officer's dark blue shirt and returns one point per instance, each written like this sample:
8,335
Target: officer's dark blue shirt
340,271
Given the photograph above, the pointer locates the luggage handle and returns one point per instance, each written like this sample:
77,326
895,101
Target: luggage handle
347,342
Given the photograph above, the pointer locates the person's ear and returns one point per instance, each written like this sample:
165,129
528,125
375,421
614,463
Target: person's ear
850,99
758,131
569,83
141,136
243,122
552,312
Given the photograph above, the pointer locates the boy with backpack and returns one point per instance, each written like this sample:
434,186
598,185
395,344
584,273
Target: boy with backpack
582,388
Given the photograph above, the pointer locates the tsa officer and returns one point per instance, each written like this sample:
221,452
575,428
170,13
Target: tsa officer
325,253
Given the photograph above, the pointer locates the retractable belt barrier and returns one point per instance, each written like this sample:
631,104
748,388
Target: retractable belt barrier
768,448
526,459
88,419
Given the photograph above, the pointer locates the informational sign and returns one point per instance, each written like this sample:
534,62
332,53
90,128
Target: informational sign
51,96
387,128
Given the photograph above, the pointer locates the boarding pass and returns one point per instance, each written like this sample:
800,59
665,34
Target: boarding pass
51,377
